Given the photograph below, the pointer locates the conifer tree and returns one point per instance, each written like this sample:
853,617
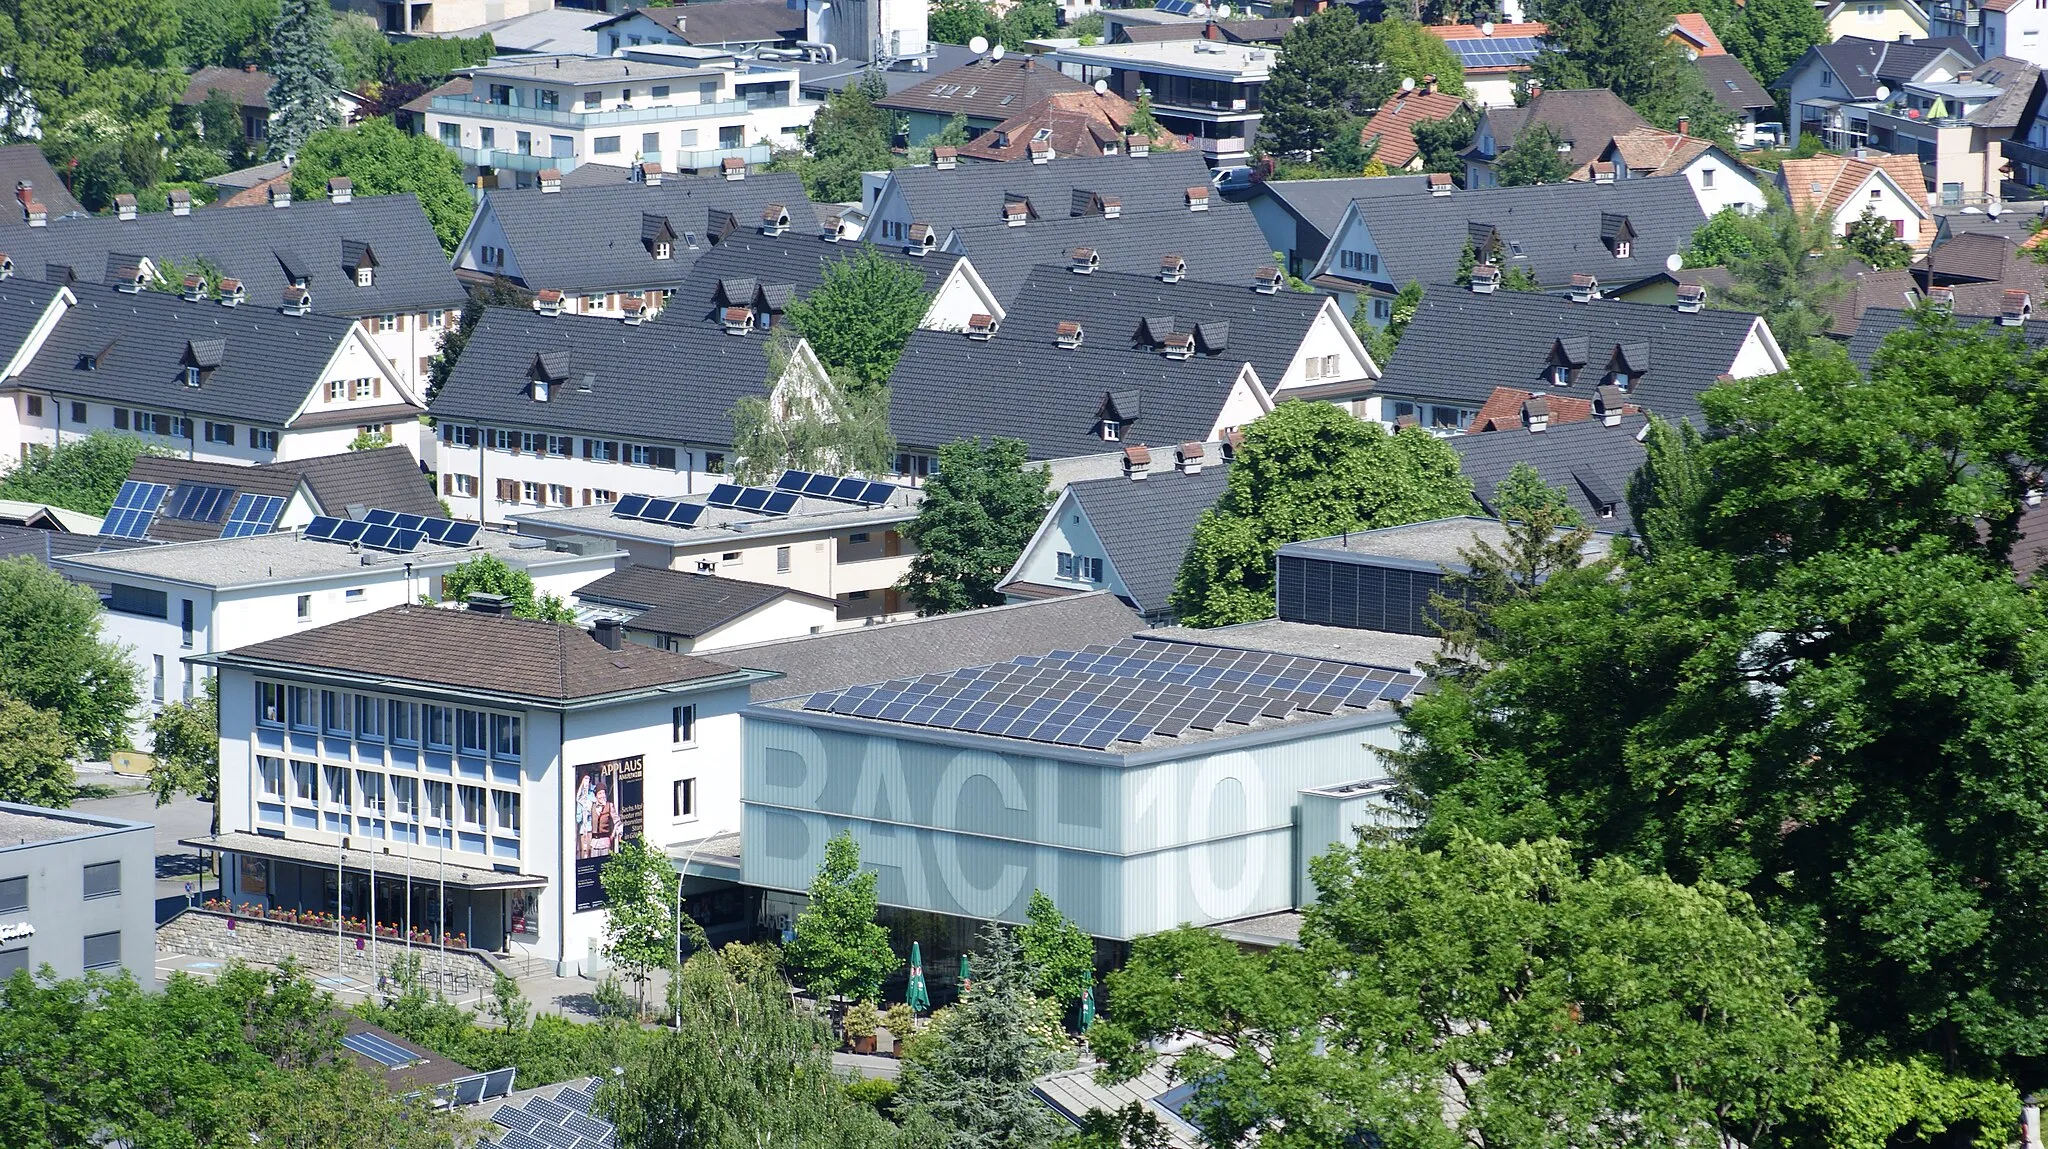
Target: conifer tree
302,98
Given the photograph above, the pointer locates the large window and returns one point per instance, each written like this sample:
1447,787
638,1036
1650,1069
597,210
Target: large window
440,727
334,715
300,699
340,793
13,895
475,729
371,786
271,771
405,723
505,735
103,951
505,810
369,718
102,879
305,782
270,704
405,798
437,802
682,725
472,800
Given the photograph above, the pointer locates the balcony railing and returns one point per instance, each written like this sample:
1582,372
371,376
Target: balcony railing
713,157
577,118
513,161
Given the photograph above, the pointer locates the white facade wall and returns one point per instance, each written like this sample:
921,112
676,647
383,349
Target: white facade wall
1067,531
1718,184
1329,336
1491,91
1909,220
786,618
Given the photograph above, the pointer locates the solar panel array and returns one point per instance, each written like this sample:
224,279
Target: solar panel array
835,488
198,502
380,1050
253,515
561,1123
448,532
384,537
757,499
1175,7
1492,52
134,509
1128,692
650,509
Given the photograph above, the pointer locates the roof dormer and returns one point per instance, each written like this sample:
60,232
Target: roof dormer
632,311
945,157
1213,336
1438,183
545,372
733,168
1266,280
2017,309
548,302
1083,261
359,262
202,356
1016,212
1627,363
1178,345
924,239
1485,279
774,219
1585,287
1567,355
657,235
1068,334
1617,233
981,326
1692,297
1172,268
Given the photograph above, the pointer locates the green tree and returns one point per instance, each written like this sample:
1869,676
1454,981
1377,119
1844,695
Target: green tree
1485,995
220,123
1719,242
1306,471
1409,51
52,657
70,59
1381,343
1443,142
1819,645
184,745
1029,20
840,949
745,1068
1768,36
357,45
1087,29
639,912
958,21
35,756
810,420
307,77
862,313
980,507
1626,46
1870,239
1790,275
81,475
1144,125
369,441
224,33
848,136
1058,955
969,1087
1319,84
381,160
1536,157
489,574
506,1002
1523,495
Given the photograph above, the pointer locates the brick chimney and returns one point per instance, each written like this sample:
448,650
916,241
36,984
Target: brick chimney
1429,84
1685,125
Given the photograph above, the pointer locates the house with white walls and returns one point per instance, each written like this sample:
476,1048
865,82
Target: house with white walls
1834,88
1843,188
1718,179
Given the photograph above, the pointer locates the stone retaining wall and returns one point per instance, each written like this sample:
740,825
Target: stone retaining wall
205,933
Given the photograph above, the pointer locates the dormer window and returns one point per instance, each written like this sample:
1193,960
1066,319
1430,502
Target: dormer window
1558,375
1621,249
539,390
192,375
663,249
1267,280
1068,334
232,293
1111,430
366,276
774,219
195,288
548,302
2018,309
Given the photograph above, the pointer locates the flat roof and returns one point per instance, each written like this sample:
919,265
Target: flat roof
325,854
1432,545
283,556
724,524
1235,61
35,825
572,70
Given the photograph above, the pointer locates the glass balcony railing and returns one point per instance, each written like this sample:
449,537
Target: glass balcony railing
513,161
578,118
713,157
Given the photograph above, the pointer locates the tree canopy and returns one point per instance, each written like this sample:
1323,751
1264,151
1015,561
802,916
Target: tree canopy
1536,157
1814,679
1626,47
1306,471
306,76
489,574
1768,36
809,420
862,313
968,1085
52,657
1723,239
1319,85
81,475
848,136
980,507
184,748
640,910
381,160
1058,955
839,949
1871,239
1787,269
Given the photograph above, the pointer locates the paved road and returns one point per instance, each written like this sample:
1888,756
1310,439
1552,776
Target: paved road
182,818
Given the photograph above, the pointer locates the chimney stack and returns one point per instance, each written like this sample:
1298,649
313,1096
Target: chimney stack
341,189
1685,125
281,194
487,604
550,180
124,206
609,632
179,201
1429,84
1137,462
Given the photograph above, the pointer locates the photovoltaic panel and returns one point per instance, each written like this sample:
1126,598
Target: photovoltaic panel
725,495
685,514
849,490
379,517
779,503
656,510
821,486
323,527
252,515
630,506
459,534
512,1118
198,502
793,481
751,499
352,530
134,508
548,1111
379,1050
518,1139
410,522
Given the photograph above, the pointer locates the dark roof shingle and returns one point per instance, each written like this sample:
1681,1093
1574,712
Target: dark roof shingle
1588,460
1145,525
683,603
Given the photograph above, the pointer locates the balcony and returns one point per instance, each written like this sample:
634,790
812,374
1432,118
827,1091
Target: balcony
1192,108
511,161
711,158
662,113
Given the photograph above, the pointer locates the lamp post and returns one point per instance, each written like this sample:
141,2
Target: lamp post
683,872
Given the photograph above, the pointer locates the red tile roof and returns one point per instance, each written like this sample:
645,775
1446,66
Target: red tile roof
1694,29
1394,124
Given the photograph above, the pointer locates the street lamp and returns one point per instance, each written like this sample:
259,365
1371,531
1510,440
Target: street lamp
682,872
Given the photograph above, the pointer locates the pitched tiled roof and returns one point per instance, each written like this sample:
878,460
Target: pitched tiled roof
1145,525
1479,31
521,659
1656,152
589,238
1827,182
131,349
1585,118
1321,204
1460,346
22,303
253,246
1502,410
1696,32
172,471
24,163
1861,65
1590,461
683,603
389,478
973,195
987,89
1879,322
249,87
949,387
1731,85
1223,244
1083,123
1393,125
1971,255
2015,78
1867,289
940,643
1558,228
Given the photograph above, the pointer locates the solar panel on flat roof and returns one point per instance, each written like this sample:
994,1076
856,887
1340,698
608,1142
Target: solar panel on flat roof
630,506
586,1126
725,495
751,499
656,510
820,486
460,534
793,481
685,514
1175,7
379,517
379,1050
517,1139
514,1118
779,503
252,515
547,1110
848,490
322,526
351,530
410,522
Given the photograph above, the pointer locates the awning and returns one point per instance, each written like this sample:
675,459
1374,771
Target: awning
390,860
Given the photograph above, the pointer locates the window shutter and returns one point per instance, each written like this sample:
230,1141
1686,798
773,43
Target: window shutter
377,388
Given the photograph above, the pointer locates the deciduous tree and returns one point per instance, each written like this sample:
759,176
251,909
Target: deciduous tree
1058,955
840,949
862,313
35,756
81,475
848,136
1871,239
381,160
1306,471
1790,275
1442,142
489,574
958,21
184,747
52,657
639,911
979,510
1536,157
812,420
1719,242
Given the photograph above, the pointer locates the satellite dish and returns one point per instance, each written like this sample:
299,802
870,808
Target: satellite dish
978,45
1223,11
1101,86
1884,92
996,53
1407,83
1486,29
1672,262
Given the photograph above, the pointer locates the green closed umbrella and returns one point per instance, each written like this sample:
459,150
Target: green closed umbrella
1087,1007
916,996
966,979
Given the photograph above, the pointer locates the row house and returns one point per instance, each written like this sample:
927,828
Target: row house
374,260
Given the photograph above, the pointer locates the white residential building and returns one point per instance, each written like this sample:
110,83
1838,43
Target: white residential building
688,109
1206,91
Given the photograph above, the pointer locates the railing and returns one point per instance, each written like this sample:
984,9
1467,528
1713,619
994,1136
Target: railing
713,157
661,113
514,161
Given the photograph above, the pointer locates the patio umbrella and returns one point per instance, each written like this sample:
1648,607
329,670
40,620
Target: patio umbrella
1087,1007
916,996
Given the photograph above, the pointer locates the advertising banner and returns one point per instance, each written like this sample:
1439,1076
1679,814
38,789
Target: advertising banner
607,808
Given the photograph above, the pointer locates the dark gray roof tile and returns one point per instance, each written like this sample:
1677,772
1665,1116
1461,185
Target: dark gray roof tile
1589,461
1145,525
683,603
